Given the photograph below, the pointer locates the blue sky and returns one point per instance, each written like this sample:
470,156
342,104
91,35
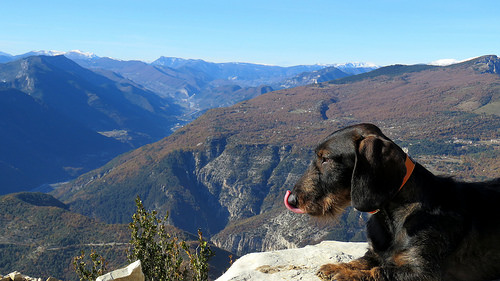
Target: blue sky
274,32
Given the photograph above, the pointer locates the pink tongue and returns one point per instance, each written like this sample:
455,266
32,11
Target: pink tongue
289,207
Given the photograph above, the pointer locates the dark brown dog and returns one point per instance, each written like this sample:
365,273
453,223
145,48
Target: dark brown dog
424,227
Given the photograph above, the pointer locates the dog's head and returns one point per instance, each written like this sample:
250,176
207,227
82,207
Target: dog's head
357,165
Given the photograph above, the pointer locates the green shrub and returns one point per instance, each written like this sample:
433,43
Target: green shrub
199,259
97,266
161,253
163,256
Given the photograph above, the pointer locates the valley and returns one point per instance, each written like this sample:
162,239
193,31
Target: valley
226,171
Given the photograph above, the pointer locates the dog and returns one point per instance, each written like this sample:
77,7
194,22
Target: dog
422,227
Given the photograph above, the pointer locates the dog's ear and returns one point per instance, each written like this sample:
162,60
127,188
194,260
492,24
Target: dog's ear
378,172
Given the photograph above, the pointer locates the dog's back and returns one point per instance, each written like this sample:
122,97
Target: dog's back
477,256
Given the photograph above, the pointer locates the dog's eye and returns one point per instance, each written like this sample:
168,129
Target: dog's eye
338,159
324,160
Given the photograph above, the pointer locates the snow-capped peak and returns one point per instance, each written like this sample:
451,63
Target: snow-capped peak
356,65
74,54
45,53
77,54
444,62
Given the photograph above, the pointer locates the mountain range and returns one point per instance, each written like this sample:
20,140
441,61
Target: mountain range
191,82
65,113
227,171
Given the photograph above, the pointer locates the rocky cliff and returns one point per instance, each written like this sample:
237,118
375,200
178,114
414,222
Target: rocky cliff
231,193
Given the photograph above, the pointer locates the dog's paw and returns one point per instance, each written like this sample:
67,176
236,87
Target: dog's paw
327,271
346,272
331,271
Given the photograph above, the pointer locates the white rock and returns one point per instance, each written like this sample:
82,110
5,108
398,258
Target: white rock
16,276
133,272
292,264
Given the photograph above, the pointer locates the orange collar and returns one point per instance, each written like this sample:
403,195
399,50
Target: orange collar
410,165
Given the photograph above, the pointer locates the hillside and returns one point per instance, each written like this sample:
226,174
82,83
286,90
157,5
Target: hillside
95,101
227,171
40,236
40,145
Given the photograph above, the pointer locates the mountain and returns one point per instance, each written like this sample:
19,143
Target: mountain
227,171
4,57
74,54
79,55
354,68
60,120
165,82
244,74
318,76
91,99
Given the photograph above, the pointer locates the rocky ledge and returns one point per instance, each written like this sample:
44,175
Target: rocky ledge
292,264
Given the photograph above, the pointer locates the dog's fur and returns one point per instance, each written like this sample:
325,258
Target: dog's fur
433,228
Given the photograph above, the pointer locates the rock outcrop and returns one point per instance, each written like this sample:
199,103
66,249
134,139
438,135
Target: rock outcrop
271,232
292,264
17,276
132,272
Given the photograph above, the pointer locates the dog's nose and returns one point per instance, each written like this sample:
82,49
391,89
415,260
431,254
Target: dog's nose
292,200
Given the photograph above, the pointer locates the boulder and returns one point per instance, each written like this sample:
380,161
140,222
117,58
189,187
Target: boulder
133,272
16,276
292,264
